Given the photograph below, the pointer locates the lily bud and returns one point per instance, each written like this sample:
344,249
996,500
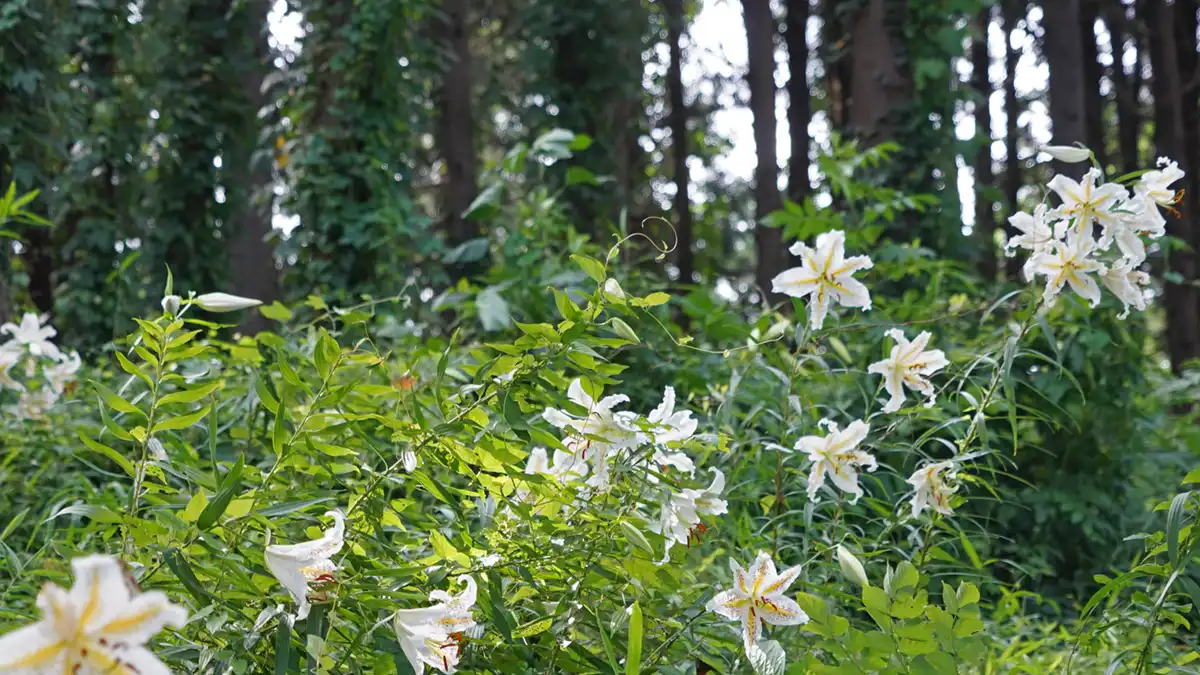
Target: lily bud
224,302
851,567
613,291
170,304
1067,153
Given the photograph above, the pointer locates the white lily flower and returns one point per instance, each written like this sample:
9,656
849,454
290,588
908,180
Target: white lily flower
1067,153
8,359
1086,203
34,335
61,373
298,565
836,455
826,273
1156,185
1069,264
224,302
680,519
758,596
675,460
433,636
909,365
1126,282
99,627
33,405
1036,234
932,489
670,425
601,432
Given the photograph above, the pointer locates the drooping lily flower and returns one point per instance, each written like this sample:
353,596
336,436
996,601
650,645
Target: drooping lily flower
33,335
827,274
670,425
680,517
758,596
1036,235
298,565
8,359
1126,283
836,455
33,405
1156,185
1069,264
433,636
99,627
61,373
933,485
909,365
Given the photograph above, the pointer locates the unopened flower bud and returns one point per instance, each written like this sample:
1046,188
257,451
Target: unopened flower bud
851,567
1067,153
170,305
224,302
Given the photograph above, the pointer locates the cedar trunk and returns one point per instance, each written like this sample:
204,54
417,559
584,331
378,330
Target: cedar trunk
456,123
760,35
985,219
1063,49
684,256
799,105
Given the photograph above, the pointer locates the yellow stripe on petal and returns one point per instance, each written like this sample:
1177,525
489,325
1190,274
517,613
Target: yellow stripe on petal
38,659
93,601
125,624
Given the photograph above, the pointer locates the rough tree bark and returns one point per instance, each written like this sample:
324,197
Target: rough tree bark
1125,86
456,123
1063,49
1011,12
1183,313
760,35
799,105
985,219
684,256
1093,72
251,253
878,85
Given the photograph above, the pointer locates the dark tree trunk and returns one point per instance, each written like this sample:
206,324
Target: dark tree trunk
985,219
1183,313
1189,102
1125,86
1063,49
1093,72
456,124
251,252
799,105
879,86
684,256
760,35
835,56
1012,11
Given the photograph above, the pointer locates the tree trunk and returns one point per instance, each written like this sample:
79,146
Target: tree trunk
456,122
760,36
1125,86
251,253
1183,313
878,86
1063,49
799,105
985,219
1011,13
1093,73
835,57
684,256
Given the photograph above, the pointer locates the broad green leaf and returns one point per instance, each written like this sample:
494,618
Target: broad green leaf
633,653
229,486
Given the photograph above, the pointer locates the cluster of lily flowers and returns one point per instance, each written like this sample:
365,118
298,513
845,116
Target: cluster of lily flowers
1065,246
28,350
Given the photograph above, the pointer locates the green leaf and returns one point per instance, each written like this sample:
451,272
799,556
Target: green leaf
1174,522
532,628
279,430
183,571
969,549
114,401
283,644
633,654
190,395
180,422
129,367
609,652
108,452
635,536
216,508
493,310
591,267
276,312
